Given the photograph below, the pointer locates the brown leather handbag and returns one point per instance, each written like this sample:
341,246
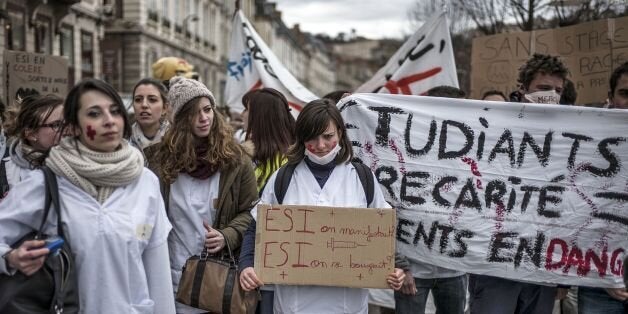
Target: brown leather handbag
210,282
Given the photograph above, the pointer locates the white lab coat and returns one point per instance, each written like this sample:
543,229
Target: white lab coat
119,247
15,173
343,188
191,202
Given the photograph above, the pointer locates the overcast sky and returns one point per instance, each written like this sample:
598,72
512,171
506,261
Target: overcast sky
371,18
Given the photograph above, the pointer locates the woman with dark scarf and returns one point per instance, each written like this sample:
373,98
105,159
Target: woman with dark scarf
208,182
33,130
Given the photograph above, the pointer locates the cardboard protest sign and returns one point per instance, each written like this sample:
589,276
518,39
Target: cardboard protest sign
327,246
424,61
589,50
522,191
253,65
32,71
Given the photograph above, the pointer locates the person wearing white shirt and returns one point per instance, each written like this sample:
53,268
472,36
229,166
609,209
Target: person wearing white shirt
322,155
111,211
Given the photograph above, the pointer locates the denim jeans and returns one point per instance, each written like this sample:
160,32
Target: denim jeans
449,296
493,295
598,301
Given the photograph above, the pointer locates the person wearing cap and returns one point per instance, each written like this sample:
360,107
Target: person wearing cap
208,183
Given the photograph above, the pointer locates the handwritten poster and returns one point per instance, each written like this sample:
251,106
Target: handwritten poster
31,71
327,246
522,191
591,51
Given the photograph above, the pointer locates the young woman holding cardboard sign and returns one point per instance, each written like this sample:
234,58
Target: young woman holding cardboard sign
322,156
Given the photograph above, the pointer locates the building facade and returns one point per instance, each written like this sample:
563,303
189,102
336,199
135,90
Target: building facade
71,28
142,31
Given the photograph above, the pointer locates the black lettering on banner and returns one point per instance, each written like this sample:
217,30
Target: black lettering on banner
513,195
469,202
462,251
481,139
615,196
510,149
442,141
499,242
436,197
495,190
427,240
445,230
575,146
534,253
383,123
406,183
528,190
541,154
428,145
387,182
613,162
257,54
544,198
400,232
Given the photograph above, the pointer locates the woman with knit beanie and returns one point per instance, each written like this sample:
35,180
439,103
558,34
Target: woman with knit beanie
208,181
111,209
150,104
33,131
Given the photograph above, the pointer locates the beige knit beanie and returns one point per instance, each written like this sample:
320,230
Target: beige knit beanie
182,90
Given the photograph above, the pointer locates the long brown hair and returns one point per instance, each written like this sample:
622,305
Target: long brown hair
178,146
270,139
312,122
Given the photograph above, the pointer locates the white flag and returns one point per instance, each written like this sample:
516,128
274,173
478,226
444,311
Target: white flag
424,61
252,65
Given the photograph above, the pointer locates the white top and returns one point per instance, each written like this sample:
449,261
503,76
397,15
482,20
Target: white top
15,173
191,202
343,188
110,242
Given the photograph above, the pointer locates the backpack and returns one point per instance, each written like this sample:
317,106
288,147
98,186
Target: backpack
284,176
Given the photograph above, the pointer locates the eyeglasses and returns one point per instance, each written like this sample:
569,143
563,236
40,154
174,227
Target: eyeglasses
55,125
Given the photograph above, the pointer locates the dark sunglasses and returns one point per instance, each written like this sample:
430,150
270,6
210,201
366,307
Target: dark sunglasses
55,125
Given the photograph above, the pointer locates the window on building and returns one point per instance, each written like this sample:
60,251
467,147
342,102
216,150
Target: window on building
15,29
66,49
43,35
66,43
87,54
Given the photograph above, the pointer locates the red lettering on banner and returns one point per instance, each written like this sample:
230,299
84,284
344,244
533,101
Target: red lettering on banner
616,265
403,85
549,263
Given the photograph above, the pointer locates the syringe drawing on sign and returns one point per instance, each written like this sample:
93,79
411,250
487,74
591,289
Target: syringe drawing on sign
334,244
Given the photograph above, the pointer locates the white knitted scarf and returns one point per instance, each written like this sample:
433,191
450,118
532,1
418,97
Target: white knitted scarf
96,173
139,140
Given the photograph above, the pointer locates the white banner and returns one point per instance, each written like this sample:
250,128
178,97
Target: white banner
252,65
522,191
424,61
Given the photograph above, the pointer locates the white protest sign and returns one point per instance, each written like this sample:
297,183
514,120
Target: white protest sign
424,61
522,191
253,65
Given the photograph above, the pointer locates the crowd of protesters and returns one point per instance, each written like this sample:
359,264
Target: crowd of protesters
138,198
